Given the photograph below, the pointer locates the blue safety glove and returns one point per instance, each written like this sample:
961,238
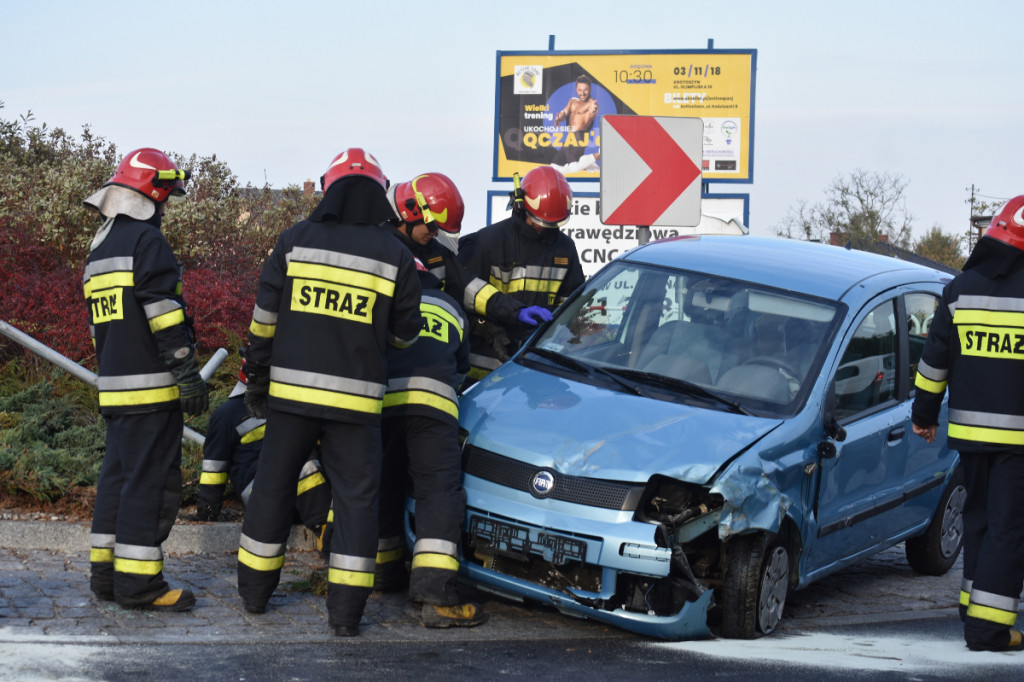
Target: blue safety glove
534,315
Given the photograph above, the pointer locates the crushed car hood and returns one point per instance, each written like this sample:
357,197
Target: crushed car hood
585,430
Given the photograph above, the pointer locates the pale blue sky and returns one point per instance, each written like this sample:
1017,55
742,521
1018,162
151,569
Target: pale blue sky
929,90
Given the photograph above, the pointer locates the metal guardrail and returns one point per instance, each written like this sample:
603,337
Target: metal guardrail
72,367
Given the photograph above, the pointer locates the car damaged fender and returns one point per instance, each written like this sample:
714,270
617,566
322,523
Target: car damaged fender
751,501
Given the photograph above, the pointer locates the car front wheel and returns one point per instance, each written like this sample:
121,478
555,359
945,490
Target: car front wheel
936,551
755,586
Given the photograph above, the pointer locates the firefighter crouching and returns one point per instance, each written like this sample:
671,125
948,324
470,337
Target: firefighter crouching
231,451
148,376
334,293
972,350
526,257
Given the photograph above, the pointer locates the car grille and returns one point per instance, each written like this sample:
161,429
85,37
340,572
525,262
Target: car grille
592,492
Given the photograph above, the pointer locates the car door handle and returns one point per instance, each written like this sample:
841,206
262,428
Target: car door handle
897,433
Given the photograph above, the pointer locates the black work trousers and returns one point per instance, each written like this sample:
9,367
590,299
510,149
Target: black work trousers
137,499
351,457
424,453
993,545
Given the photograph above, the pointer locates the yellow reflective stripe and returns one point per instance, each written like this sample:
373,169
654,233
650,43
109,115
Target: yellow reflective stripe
989,318
259,563
264,331
927,384
443,314
482,298
389,555
965,598
328,273
549,286
100,555
992,615
984,435
477,373
340,576
211,478
443,561
330,515
310,482
421,398
254,435
142,397
108,281
137,566
316,396
167,320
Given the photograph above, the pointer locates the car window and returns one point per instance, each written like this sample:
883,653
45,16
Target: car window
921,309
866,376
742,340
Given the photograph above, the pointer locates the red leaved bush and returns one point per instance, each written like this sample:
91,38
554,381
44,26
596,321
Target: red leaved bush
221,306
40,295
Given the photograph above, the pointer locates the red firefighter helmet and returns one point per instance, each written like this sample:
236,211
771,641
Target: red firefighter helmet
430,198
546,196
1008,225
353,161
149,172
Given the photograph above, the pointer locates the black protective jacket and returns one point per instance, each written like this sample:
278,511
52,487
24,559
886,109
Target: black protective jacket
132,287
976,347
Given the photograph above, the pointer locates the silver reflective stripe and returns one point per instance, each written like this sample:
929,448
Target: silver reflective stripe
250,424
437,271
470,293
423,384
214,466
247,493
105,265
311,467
930,373
401,343
261,316
484,361
387,544
160,308
997,303
343,260
529,272
129,382
435,546
989,419
137,552
263,549
427,297
994,601
327,382
347,562
966,585
102,540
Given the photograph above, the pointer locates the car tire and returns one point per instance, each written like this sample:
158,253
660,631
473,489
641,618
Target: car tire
755,586
937,550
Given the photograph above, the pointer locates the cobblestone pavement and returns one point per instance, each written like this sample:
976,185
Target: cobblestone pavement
45,596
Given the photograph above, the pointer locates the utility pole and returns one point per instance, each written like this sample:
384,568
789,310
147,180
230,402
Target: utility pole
974,231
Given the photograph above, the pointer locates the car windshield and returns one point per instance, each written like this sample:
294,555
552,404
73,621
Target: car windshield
728,343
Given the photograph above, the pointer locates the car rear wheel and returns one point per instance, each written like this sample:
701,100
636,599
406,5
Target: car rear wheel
755,586
936,551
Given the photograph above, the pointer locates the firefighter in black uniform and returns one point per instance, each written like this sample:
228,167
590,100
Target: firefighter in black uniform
421,446
527,257
335,291
232,451
148,376
973,347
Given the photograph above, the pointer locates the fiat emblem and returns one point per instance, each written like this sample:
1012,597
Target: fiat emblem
542,483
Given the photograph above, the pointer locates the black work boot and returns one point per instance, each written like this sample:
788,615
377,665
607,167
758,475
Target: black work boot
171,600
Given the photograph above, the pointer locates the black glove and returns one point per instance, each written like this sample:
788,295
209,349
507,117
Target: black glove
257,389
193,391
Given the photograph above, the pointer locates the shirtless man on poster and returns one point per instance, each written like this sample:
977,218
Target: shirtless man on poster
580,113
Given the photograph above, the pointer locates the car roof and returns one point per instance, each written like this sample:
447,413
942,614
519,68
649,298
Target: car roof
810,268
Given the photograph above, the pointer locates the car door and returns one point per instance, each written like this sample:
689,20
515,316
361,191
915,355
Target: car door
860,486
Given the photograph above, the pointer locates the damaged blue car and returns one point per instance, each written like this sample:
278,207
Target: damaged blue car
708,424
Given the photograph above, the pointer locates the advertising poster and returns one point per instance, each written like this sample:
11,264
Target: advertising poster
549,106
